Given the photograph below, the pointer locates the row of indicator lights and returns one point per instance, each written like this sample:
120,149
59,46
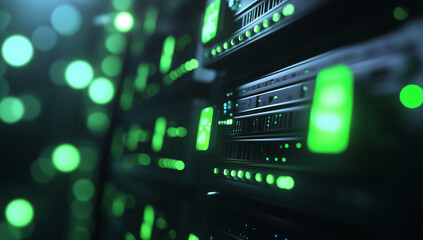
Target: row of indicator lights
184,68
226,122
282,182
171,164
288,10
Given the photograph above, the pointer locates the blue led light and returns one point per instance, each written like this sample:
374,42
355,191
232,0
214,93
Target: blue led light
276,235
224,111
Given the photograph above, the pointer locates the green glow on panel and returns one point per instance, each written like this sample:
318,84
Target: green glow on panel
144,159
257,28
115,43
129,236
66,157
124,22
79,74
270,179
225,172
411,96
111,66
233,173
204,129
17,50
150,20
167,54
12,110
19,212
240,174
171,164
159,134
330,116
147,223
122,4
400,14
216,171
248,175
83,189
298,145
288,10
161,223
142,77
285,182
258,177
181,132
192,237
276,17
101,91
211,21
266,23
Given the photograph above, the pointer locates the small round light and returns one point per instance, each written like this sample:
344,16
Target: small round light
17,50
124,22
66,157
79,74
11,110
411,96
19,212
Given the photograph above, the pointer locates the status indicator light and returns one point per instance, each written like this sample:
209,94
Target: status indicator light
167,54
258,177
248,33
159,133
216,170
211,21
248,175
285,182
233,42
226,172
270,179
276,17
225,45
411,96
241,38
331,110
240,174
257,28
192,237
146,228
219,49
213,52
233,173
204,129
288,10
266,23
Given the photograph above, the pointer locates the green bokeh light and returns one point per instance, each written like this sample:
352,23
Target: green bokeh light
122,4
285,182
56,71
411,96
101,91
66,19
400,14
111,66
11,110
66,157
19,212
98,122
44,38
115,43
79,74
32,107
17,50
83,189
124,22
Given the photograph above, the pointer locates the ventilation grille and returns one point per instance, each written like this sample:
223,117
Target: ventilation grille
260,10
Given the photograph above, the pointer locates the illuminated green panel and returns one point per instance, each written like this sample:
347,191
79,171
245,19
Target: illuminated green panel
167,54
159,133
171,164
147,223
285,182
192,237
211,19
142,77
330,116
204,129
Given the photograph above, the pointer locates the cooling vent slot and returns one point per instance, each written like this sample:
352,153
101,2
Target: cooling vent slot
260,10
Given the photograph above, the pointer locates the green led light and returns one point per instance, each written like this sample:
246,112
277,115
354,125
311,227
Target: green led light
225,45
142,77
192,237
211,21
233,173
248,33
167,54
111,66
146,228
276,17
216,171
286,145
213,52
17,50
285,182
19,212
66,157
204,129
258,177
79,74
248,175
240,174
150,20
267,158
298,145
12,110
257,28
233,42
219,49
83,190
115,43
225,172
171,164
284,159
101,91
270,179
400,14
159,134
124,22
288,10
266,23
241,38
330,116
411,96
